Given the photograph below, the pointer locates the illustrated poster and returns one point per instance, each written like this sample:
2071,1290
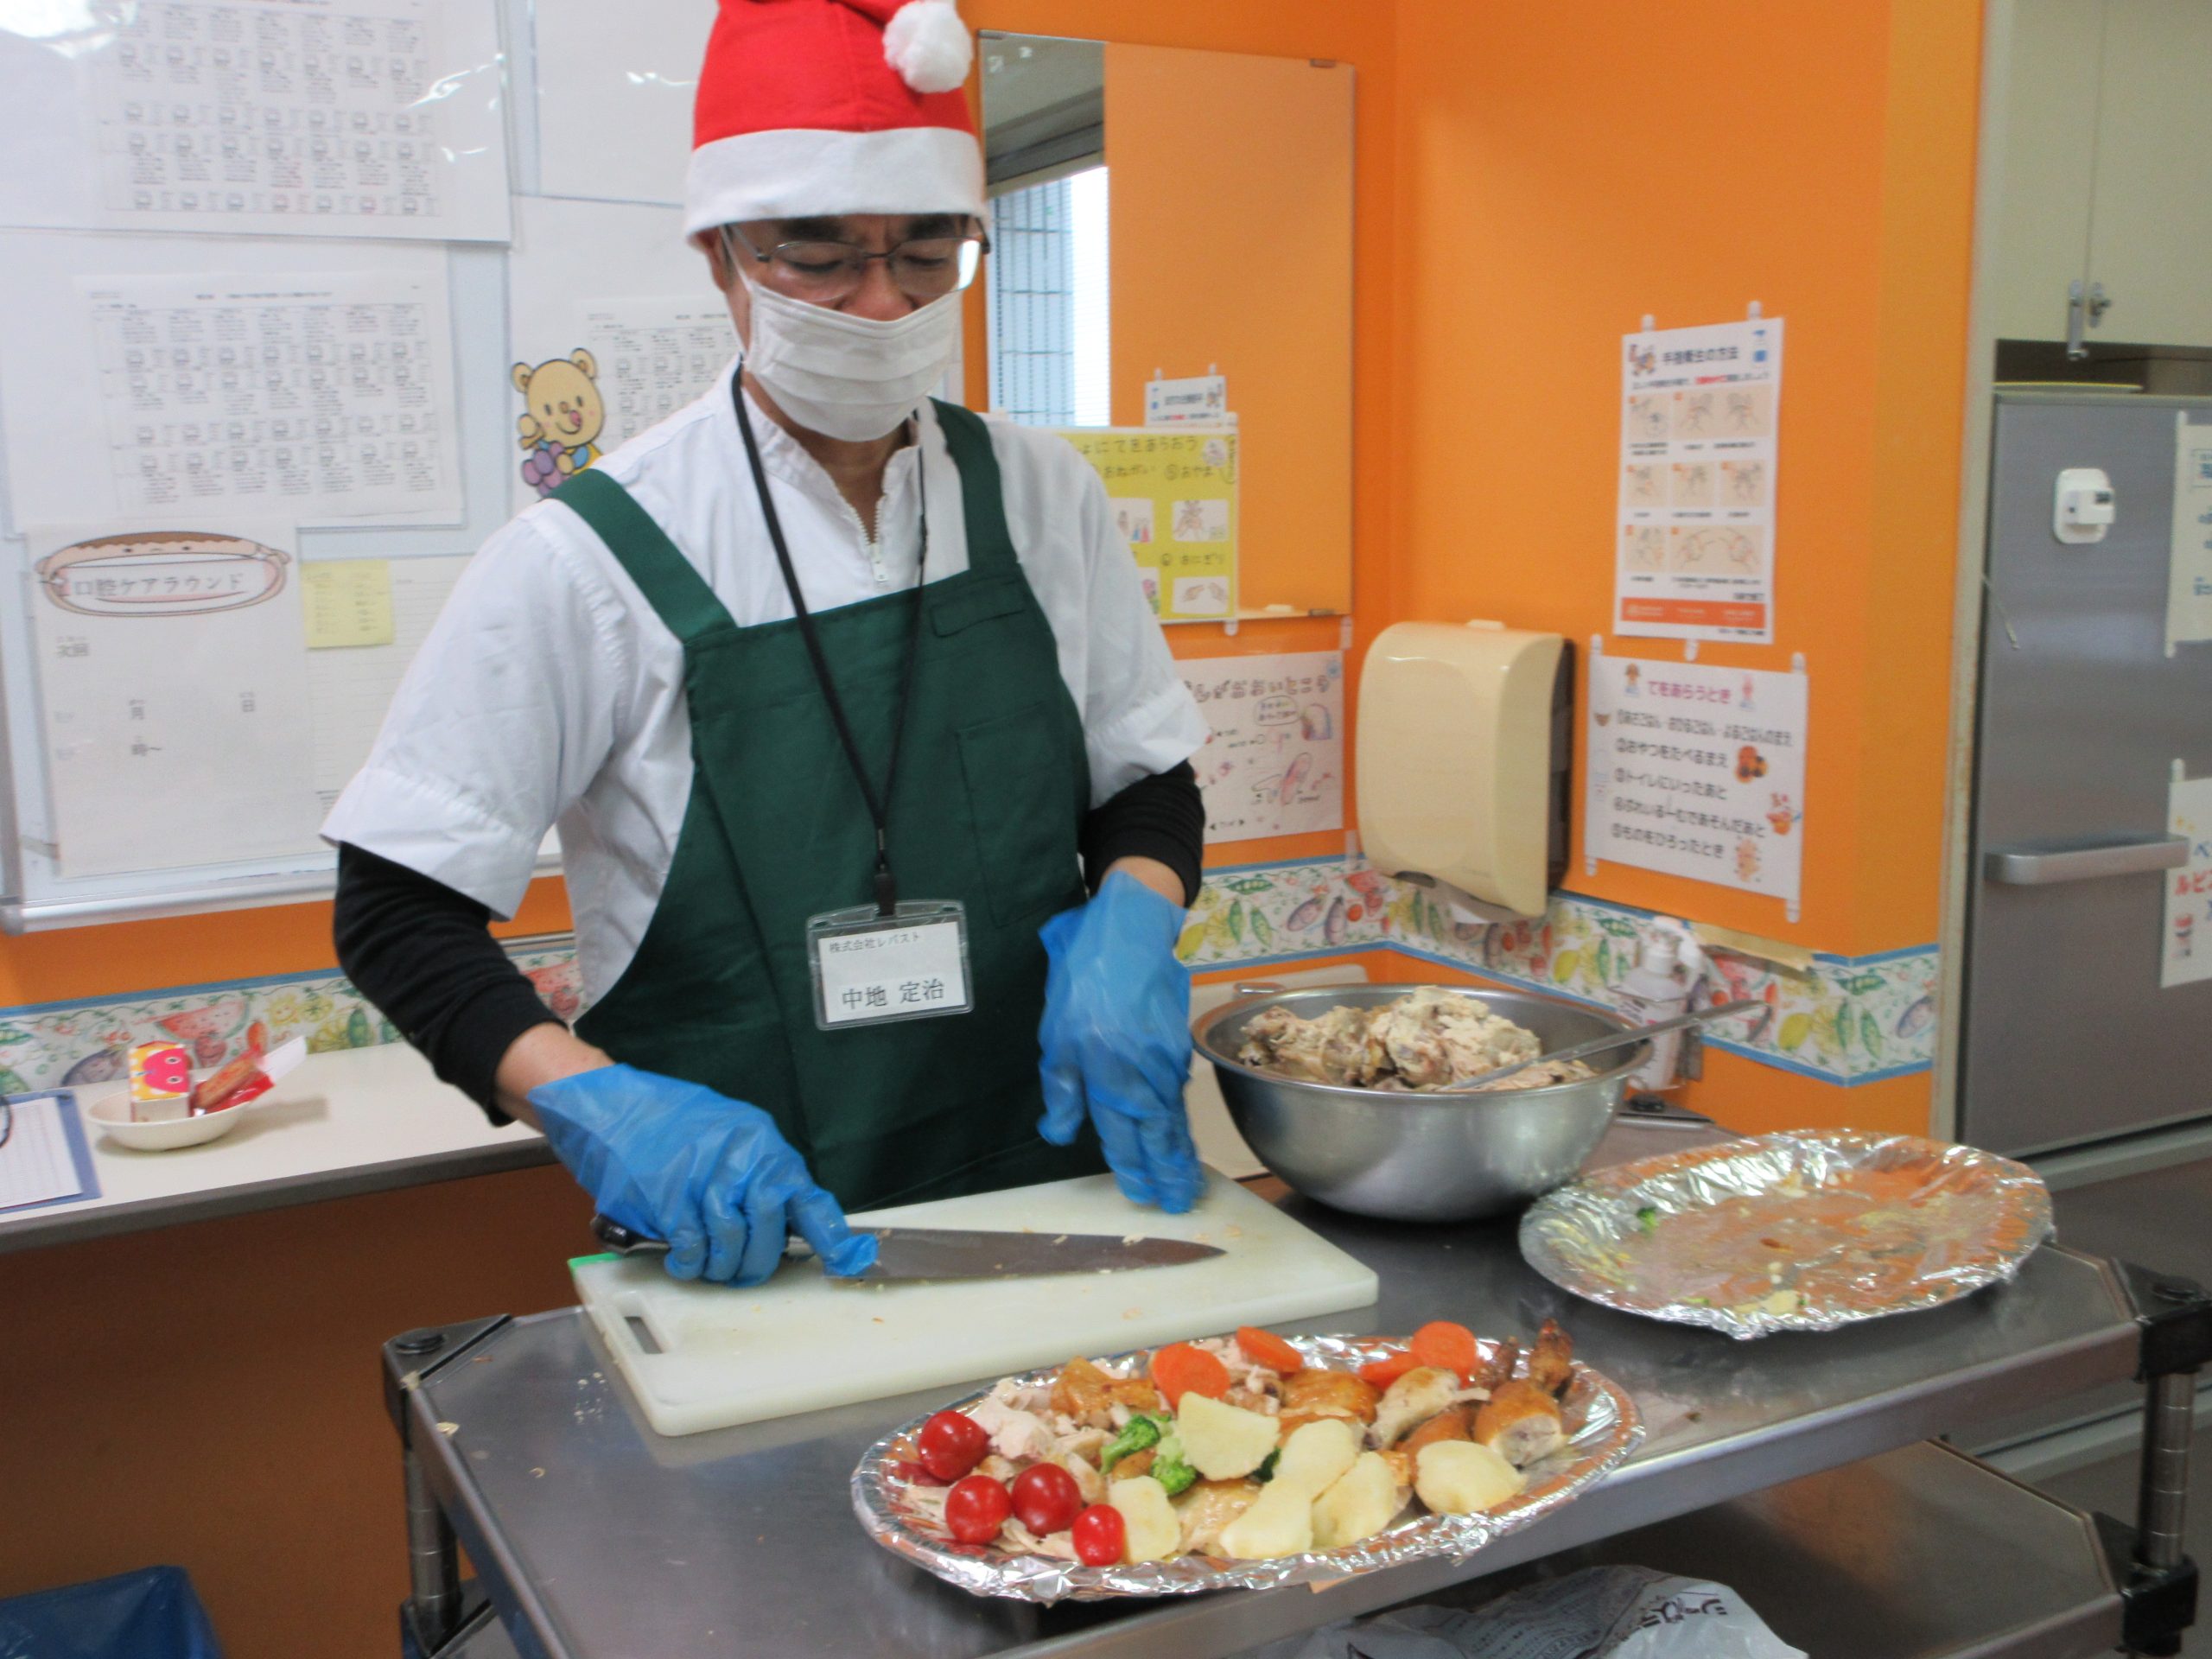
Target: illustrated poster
2185,955
1696,547
1698,771
1173,497
1274,763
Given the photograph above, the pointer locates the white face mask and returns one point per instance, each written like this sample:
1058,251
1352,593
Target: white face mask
847,377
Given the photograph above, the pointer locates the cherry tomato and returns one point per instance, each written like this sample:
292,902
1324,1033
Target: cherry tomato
1100,1535
976,1508
951,1443
1046,1498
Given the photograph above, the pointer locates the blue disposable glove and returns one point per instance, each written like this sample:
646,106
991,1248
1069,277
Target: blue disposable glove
1117,1039
676,1160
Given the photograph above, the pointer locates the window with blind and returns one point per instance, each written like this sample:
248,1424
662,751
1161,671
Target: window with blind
1050,331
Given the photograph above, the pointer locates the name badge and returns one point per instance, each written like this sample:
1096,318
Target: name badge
870,968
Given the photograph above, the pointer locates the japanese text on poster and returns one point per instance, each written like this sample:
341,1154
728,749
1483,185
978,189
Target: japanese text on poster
342,118
1695,556
2189,580
1173,497
172,677
332,395
2185,955
1274,762
1699,771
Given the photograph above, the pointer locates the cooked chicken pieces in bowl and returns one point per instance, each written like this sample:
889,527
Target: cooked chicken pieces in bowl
1426,1041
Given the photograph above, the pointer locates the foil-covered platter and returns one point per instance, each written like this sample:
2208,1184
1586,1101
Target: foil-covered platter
1807,1231
1603,1430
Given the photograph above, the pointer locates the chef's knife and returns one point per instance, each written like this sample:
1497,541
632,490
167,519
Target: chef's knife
914,1253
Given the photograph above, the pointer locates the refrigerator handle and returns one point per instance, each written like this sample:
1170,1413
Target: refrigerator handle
2025,869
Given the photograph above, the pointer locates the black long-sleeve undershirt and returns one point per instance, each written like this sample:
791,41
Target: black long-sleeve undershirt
423,953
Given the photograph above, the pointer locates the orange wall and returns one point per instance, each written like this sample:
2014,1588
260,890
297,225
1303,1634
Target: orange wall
1230,183
1563,170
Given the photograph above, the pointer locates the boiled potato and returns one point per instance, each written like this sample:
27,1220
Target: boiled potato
1364,1500
1316,1455
1221,1441
1155,1530
1280,1522
1462,1477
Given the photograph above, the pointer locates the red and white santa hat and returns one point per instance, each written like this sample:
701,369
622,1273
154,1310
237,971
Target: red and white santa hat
810,107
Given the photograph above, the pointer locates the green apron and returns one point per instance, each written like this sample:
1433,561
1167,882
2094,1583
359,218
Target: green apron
992,786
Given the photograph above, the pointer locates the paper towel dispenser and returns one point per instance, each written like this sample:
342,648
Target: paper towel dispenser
1465,744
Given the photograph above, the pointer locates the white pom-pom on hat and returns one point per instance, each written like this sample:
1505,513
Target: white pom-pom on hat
929,45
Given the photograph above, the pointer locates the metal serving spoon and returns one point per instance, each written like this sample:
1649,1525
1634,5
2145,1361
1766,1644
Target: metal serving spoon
1617,1040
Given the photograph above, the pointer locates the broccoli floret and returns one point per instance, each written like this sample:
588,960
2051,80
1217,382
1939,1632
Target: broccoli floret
1139,1432
1168,1467
1648,1218
1266,1471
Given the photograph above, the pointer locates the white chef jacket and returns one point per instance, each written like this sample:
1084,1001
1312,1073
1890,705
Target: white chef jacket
550,692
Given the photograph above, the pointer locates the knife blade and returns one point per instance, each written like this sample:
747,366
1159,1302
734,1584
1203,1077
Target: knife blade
904,1254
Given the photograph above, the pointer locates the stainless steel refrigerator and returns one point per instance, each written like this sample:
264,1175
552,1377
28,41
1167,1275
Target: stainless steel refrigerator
2083,714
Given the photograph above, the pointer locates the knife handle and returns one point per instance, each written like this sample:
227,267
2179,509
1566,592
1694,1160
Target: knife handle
626,1241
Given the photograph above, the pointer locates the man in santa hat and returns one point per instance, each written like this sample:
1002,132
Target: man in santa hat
869,762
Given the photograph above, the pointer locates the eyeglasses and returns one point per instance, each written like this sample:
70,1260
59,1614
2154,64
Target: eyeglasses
923,267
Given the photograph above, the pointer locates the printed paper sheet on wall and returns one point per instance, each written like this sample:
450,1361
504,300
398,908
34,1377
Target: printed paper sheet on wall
1274,763
173,679
1696,545
2188,581
1173,497
2185,952
1697,771
354,117
306,382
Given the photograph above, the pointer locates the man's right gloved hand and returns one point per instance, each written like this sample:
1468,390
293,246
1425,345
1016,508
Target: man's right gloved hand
711,1175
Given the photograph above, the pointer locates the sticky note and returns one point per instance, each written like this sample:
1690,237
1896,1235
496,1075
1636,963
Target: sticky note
348,602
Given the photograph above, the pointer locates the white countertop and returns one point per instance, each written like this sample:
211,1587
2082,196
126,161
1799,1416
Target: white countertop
364,1120
358,1120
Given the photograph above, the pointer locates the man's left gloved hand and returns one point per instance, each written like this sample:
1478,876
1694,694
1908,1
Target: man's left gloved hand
1117,1039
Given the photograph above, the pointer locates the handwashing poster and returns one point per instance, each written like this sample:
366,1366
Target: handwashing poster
1694,558
1173,493
1274,763
2185,955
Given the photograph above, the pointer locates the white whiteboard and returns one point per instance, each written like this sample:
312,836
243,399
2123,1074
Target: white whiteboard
35,891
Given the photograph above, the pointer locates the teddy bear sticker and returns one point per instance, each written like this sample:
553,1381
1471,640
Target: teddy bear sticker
562,419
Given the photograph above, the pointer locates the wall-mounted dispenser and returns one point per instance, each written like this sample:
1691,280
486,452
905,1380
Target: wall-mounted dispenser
1465,745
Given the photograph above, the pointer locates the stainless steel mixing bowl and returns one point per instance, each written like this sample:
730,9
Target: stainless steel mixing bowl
1413,1157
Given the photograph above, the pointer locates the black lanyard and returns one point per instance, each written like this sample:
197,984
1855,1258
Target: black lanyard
878,806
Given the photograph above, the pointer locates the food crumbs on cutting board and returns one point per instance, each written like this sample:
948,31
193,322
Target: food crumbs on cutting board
538,1474
1061,1239
1234,1231
1131,1312
448,1428
876,1320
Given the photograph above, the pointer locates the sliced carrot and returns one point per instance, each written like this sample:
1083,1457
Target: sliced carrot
1178,1369
1265,1348
1449,1347
1387,1370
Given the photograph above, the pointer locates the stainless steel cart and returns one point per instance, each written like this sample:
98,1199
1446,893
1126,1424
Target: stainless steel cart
1798,1469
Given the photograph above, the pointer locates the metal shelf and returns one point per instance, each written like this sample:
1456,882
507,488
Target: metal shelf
1919,1554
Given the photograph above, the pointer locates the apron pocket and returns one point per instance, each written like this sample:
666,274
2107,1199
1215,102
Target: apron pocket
1027,805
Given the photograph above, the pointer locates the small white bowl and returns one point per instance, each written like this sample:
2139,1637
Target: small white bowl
110,1115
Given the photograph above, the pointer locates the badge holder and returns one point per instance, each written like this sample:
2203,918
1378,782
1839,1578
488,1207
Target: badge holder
873,970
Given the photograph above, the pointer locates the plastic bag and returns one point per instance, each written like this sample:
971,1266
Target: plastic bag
1605,1612
148,1614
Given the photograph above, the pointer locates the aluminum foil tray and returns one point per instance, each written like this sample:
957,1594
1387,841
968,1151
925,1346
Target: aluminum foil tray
1808,1230
1603,1430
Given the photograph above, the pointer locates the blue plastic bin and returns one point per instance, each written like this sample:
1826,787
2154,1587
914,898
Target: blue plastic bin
148,1614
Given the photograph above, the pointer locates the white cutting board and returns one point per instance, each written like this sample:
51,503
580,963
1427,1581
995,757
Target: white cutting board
804,1343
